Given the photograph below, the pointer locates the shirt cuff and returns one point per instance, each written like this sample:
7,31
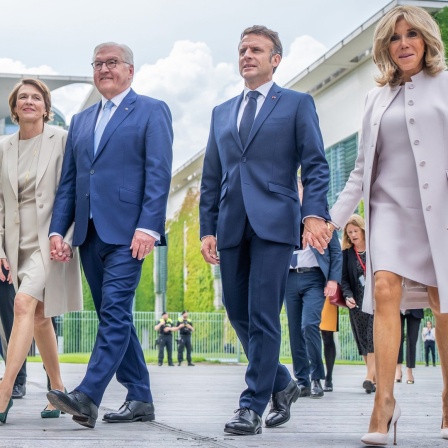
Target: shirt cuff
152,233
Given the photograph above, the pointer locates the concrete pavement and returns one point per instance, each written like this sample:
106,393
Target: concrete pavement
193,403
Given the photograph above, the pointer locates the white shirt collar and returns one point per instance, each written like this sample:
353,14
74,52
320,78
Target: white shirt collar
263,89
116,99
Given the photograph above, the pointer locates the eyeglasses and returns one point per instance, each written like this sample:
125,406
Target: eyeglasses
110,64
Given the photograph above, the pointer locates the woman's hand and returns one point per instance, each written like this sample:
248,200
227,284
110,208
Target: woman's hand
5,266
350,301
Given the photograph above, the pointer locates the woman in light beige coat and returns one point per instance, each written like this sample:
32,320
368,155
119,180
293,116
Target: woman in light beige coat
402,174
30,168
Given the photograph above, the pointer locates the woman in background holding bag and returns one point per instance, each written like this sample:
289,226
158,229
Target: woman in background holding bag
401,172
353,280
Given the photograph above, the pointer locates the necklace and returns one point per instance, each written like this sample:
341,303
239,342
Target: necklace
27,177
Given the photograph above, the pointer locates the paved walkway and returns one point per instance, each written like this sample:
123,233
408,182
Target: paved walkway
193,403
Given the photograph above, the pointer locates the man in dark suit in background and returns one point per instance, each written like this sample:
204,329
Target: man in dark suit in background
250,212
114,184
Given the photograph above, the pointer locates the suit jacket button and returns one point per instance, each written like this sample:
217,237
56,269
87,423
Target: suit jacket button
41,205
428,208
425,185
39,195
92,171
243,159
87,195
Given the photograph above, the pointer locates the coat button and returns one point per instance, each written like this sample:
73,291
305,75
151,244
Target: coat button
428,208
41,205
92,171
416,142
243,159
412,121
39,195
422,163
87,195
411,103
425,185
411,86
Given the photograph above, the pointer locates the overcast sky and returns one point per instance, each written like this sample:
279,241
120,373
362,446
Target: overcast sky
185,51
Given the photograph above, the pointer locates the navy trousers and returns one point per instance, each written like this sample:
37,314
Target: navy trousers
304,301
113,276
254,278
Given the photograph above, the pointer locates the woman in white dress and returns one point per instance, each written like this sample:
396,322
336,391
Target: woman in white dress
401,172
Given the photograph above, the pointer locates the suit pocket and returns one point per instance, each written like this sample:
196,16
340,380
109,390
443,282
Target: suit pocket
131,196
280,189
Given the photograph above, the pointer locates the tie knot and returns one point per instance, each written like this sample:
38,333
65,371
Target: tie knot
253,94
109,105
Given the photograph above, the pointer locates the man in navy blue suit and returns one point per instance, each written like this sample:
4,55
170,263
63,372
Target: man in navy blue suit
114,185
250,212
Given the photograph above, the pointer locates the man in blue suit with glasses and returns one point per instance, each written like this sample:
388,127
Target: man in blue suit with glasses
114,185
250,212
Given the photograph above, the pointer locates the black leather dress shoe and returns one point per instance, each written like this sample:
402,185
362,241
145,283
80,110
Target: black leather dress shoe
316,389
304,391
76,403
281,404
245,422
328,386
18,391
132,411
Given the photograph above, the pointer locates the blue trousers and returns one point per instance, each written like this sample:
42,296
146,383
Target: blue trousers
254,278
304,301
113,276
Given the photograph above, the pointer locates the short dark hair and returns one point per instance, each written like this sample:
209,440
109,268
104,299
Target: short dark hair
261,30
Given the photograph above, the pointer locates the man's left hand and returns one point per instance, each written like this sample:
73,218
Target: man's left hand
142,244
316,233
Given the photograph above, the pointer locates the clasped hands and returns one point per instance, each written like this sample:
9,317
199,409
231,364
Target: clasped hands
142,245
317,233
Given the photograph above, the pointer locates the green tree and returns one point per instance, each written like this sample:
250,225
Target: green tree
441,18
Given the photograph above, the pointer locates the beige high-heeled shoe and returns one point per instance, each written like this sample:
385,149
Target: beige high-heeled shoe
378,438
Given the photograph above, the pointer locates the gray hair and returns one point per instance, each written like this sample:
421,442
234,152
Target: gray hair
128,56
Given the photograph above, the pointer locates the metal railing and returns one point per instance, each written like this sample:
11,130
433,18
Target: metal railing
213,339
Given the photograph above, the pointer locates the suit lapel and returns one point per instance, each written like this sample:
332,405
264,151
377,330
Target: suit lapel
269,103
45,153
13,162
234,109
124,109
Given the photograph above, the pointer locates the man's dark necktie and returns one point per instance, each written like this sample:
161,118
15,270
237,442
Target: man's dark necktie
248,117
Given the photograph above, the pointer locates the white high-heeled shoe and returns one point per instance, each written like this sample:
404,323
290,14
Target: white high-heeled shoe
378,438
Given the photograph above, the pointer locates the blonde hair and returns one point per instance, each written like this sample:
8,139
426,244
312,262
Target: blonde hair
420,20
43,89
354,220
